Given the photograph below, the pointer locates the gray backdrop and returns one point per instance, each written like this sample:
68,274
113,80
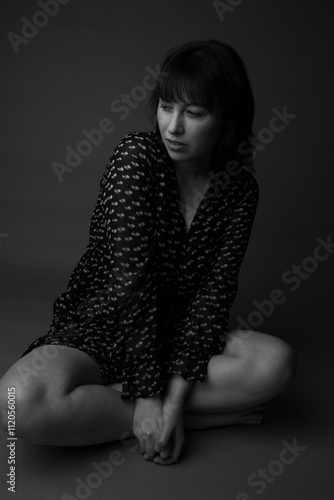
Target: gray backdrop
67,77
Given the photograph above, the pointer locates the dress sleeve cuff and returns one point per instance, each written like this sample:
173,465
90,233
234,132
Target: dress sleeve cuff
191,361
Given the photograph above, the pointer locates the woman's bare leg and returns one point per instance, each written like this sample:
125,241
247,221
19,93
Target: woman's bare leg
66,403
254,368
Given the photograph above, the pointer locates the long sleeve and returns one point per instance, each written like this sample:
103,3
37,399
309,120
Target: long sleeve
114,286
129,207
207,313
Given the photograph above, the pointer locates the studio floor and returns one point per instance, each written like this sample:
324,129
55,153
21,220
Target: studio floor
240,462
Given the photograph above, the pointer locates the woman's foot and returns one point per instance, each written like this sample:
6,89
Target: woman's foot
250,416
208,420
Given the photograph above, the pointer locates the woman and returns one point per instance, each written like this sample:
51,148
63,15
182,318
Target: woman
140,338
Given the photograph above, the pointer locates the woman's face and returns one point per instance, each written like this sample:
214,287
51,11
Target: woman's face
188,131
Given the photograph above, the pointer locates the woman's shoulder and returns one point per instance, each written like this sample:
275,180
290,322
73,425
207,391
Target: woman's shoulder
239,179
240,183
135,152
144,143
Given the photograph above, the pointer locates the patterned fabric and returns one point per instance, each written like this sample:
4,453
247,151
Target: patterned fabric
148,298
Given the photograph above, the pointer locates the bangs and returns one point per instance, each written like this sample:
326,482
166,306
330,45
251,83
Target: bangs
210,74
186,80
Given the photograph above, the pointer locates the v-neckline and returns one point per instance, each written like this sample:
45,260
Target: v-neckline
177,191
179,203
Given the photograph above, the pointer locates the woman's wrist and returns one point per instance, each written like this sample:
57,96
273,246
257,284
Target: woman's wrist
177,389
142,400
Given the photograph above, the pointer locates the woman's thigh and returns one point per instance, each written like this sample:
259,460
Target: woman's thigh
253,368
55,369
257,346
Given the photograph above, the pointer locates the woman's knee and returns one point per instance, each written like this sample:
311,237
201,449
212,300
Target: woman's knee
40,382
276,368
269,362
289,363
22,398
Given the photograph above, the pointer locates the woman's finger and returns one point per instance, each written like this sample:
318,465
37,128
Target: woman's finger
165,457
178,445
150,442
163,440
175,452
168,461
142,446
166,453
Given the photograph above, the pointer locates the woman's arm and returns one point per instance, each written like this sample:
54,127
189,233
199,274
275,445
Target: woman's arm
206,315
123,231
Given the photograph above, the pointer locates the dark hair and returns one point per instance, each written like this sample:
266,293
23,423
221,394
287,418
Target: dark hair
210,73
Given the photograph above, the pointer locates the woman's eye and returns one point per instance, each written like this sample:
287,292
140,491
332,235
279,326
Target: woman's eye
194,114
165,106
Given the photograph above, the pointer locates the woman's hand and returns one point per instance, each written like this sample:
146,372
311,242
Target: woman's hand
147,424
171,440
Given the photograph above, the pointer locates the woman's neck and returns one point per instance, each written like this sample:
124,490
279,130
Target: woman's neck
193,171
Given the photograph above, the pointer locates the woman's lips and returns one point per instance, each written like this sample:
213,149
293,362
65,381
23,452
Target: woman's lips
176,142
175,145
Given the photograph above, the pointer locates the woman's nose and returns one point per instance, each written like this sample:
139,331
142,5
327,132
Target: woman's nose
175,125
